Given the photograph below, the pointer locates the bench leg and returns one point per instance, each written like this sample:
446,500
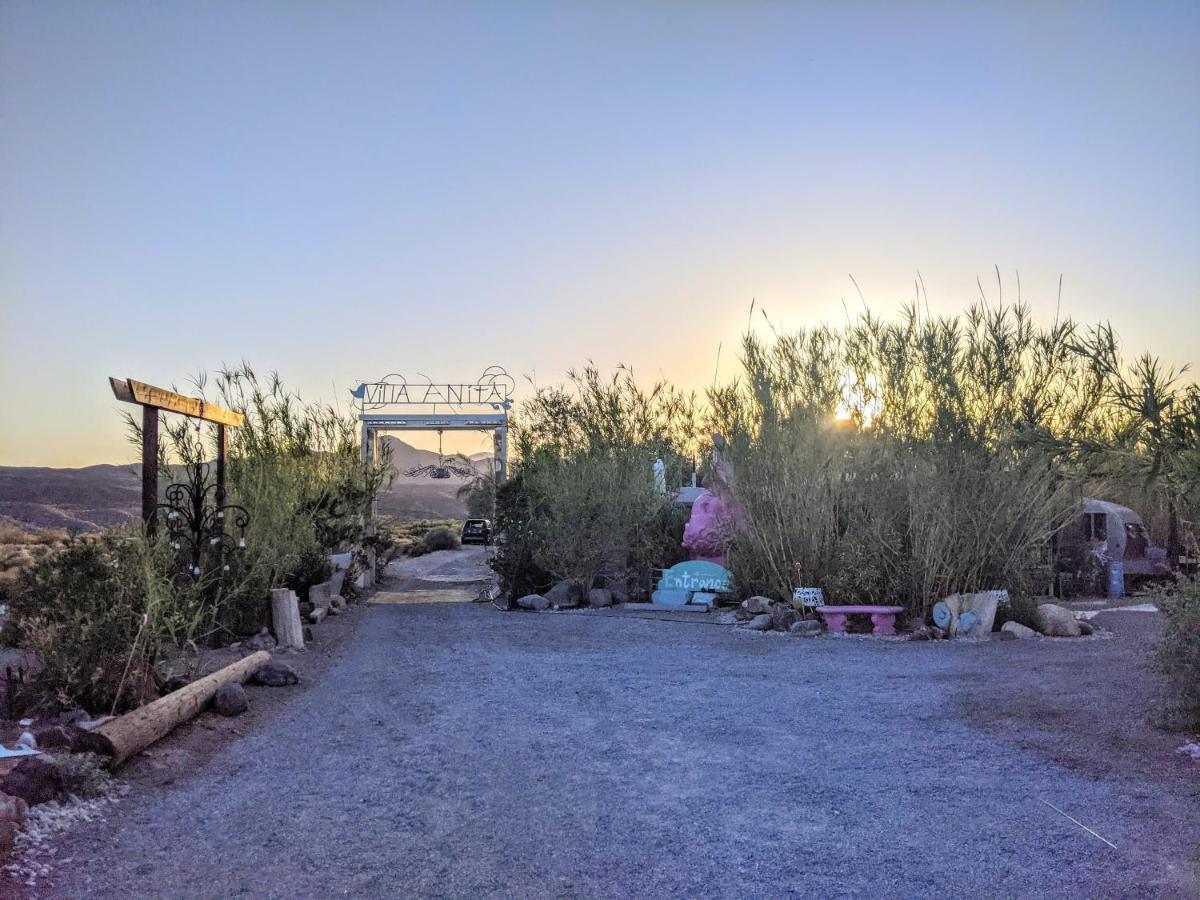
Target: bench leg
885,623
835,621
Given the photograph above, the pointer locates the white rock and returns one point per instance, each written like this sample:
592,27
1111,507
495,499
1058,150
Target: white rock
1021,631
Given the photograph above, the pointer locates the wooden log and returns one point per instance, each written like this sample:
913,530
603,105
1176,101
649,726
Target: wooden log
133,732
285,617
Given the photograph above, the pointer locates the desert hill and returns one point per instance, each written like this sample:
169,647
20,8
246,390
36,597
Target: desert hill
95,497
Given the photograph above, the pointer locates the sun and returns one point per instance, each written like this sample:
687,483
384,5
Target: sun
859,399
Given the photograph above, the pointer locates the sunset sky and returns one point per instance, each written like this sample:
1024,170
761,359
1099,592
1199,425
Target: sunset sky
338,191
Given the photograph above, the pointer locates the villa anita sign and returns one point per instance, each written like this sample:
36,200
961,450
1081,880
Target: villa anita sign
493,388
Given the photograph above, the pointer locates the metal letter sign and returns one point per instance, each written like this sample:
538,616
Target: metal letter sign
494,388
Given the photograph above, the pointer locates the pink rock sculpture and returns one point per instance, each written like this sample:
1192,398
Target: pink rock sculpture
703,536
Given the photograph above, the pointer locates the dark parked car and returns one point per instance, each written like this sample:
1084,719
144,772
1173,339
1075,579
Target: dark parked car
477,531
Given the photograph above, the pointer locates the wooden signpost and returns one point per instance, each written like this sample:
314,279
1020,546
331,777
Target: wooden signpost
152,399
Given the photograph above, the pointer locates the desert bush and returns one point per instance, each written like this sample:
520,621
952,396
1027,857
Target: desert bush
312,567
582,501
21,546
440,539
1178,654
892,461
99,615
408,538
295,466
479,495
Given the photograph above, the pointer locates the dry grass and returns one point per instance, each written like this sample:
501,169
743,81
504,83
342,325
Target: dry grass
22,546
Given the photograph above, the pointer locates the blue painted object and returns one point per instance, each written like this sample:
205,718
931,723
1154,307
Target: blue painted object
1116,579
696,576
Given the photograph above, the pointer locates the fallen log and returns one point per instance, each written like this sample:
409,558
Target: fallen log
133,732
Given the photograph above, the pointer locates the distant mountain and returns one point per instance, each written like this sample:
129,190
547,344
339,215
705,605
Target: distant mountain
96,497
76,499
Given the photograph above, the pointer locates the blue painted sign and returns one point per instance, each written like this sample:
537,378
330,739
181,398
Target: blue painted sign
679,582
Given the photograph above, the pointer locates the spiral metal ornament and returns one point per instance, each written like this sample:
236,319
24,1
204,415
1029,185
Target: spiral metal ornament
206,537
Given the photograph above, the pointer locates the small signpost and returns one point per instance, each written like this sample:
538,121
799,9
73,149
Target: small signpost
152,399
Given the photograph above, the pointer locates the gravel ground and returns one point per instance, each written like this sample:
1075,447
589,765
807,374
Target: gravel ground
455,750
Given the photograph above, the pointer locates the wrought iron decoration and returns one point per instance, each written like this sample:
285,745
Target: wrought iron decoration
197,527
443,468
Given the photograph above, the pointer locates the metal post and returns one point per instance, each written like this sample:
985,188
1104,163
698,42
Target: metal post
221,448
150,468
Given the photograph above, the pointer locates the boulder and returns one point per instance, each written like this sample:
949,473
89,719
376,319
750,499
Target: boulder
921,633
727,618
757,605
598,598
51,736
1057,621
806,627
276,674
33,780
261,641
1002,636
761,622
619,593
533,601
230,700
783,617
1016,629
1085,627
565,594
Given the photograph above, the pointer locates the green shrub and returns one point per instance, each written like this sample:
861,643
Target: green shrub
99,615
440,539
893,462
479,495
312,567
1178,654
582,501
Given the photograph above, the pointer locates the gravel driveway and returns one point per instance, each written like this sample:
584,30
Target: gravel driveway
460,751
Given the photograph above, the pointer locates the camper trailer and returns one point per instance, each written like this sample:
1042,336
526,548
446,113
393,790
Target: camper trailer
1117,537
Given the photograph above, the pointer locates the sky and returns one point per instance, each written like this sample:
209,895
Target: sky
338,191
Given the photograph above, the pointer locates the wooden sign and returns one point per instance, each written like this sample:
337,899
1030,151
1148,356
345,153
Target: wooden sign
130,391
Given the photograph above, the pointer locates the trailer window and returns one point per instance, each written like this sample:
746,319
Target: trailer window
1095,526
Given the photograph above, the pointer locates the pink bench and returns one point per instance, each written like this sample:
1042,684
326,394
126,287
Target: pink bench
883,618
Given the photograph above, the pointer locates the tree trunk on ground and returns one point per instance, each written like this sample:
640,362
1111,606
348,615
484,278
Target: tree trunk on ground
285,618
133,732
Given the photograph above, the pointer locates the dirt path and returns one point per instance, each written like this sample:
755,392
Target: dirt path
455,750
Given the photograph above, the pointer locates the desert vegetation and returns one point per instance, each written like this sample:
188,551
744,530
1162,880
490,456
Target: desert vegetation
22,546
102,613
582,501
886,461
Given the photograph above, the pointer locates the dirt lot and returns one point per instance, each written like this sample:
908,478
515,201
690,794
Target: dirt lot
455,750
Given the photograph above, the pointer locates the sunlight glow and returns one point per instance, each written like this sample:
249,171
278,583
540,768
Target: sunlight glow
860,401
